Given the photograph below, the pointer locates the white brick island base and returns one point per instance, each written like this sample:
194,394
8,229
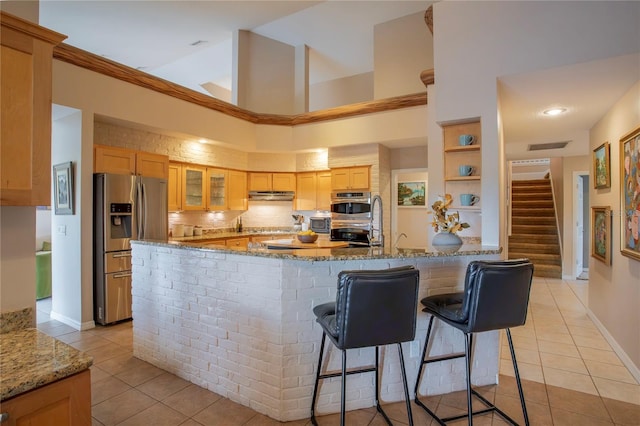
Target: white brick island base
241,325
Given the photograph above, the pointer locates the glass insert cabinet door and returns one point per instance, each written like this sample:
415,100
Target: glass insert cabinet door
194,186
217,181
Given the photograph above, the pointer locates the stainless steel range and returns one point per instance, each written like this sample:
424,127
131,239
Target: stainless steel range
351,217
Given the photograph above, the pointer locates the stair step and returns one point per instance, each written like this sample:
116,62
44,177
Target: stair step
531,182
533,229
531,248
548,271
537,258
532,197
531,190
518,204
533,220
544,212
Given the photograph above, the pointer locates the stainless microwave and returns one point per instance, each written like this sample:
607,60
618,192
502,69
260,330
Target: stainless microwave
320,225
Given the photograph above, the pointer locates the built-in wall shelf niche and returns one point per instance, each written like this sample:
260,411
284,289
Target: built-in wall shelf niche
463,169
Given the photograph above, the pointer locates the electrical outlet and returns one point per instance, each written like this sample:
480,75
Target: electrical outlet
62,229
414,349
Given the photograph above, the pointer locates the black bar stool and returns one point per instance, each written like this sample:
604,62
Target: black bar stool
495,297
372,308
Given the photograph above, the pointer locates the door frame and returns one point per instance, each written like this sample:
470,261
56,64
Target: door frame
394,197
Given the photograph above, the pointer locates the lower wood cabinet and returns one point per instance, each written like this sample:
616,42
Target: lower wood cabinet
238,242
66,402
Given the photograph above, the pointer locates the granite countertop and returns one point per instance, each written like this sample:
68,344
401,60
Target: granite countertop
325,254
30,359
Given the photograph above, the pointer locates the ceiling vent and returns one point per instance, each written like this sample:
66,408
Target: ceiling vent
543,146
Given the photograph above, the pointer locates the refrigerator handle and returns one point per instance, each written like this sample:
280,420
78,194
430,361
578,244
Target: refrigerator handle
139,211
144,210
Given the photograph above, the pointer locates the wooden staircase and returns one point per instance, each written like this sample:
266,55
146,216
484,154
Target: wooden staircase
534,233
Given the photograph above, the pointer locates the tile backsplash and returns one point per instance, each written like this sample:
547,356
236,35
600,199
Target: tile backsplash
260,214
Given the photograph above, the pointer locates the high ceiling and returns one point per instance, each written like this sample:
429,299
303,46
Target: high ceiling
159,36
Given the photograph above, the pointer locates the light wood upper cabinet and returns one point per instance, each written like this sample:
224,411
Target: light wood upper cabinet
66,402
196,187
259,181
283,182
313,191
174,187
26,53
350,178
217,189
107,159
110,159
323,190
237,190
152,165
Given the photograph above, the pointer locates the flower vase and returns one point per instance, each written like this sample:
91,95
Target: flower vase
446,241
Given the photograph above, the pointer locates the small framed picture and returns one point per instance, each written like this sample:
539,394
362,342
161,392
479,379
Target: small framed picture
411,194
63,188
601,167
601,234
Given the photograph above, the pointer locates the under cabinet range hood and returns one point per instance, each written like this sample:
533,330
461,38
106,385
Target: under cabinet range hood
271,195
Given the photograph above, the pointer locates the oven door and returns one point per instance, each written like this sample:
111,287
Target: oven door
350,208
356,233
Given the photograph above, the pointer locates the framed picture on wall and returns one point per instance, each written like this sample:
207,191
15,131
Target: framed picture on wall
630,194
411,194
602,166
63,188
601,234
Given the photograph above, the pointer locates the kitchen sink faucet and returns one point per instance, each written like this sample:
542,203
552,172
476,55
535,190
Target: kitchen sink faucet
376,236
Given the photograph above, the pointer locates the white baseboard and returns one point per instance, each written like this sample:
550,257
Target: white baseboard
633,369
71,322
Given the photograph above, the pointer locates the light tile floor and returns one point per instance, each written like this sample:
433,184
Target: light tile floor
571,377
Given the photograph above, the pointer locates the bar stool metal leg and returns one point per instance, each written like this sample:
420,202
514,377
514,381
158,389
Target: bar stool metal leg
315,386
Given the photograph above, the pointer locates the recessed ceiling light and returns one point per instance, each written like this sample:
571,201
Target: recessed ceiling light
554,111
202,140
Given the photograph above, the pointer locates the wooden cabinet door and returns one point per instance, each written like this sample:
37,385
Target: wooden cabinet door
283,182
323,191
340,179
25,112
66,402
193,187
242,242
152,165
174,187
237,190
216,190
108,159
259,181
306,191
359,178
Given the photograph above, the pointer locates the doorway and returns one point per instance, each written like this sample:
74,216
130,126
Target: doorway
409,216
582,230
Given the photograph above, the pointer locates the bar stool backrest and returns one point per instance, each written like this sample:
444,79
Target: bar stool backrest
375,308
497,294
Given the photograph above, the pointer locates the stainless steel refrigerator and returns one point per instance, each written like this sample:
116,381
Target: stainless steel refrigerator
125,208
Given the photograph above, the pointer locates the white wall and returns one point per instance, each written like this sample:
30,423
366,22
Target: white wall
402,49
72,254
341,91
17,258
614,290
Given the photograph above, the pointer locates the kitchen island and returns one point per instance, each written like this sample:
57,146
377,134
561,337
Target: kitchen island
239,322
